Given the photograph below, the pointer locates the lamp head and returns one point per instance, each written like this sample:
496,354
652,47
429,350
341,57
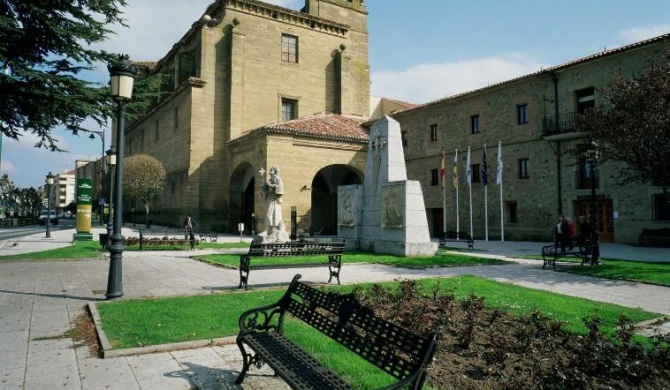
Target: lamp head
111,156
50,179
122,74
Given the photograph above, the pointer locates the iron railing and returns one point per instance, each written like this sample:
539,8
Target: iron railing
559,124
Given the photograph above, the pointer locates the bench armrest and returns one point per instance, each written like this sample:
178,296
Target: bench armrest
262,319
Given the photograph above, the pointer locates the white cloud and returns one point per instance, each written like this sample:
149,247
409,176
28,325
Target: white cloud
637,34
427,82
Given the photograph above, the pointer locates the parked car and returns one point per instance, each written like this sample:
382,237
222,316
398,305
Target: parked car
44,214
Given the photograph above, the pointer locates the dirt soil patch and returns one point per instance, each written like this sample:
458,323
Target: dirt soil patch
483,348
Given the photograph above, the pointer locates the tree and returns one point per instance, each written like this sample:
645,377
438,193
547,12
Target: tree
44,46
143,180
31,200
632,125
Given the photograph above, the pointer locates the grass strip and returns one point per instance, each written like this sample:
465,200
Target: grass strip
77,251
634,271
438,260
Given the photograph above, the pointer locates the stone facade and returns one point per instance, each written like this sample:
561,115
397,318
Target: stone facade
542,140
230,76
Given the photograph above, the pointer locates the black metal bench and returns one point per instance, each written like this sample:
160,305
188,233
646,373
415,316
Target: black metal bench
208,236
397,351
332,249
585,250
165,237
655,237
459,237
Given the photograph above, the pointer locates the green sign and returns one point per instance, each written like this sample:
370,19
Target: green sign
84,192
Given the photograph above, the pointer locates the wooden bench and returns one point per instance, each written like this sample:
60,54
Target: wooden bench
459,237
394,350
655,237
333,249
585,250
165,237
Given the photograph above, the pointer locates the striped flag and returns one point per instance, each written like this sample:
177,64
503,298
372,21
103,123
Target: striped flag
443,169
485,179
500,165
454,178
468,172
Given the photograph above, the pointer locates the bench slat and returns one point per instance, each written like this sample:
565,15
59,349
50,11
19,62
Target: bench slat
299,369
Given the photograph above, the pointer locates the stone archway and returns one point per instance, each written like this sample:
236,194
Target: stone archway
324,196
242,198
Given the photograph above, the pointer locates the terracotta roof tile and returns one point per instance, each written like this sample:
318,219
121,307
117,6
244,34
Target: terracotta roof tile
322,126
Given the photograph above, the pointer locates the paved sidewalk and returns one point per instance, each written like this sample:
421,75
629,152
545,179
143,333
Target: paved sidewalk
39,302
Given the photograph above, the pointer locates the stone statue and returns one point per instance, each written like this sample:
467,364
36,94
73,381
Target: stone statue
275,229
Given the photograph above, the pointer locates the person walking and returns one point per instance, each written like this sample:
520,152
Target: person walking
189,227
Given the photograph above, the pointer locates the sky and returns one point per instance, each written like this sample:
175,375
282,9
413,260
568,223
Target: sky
419,51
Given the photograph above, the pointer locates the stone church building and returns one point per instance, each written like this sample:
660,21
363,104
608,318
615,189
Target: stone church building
252,85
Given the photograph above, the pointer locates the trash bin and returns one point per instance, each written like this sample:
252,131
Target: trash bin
104,237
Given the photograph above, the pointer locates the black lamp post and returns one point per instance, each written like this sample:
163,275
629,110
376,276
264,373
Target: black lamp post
50,182
123,75
111,162
592,155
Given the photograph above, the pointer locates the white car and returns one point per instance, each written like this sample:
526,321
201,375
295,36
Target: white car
44,214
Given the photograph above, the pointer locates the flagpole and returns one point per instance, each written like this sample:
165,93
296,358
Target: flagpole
486,200
458,229
499,179
469,175
443,173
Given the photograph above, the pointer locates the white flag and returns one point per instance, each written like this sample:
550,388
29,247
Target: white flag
500,165
468,173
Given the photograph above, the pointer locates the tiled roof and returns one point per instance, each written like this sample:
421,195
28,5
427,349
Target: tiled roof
549,70
331,126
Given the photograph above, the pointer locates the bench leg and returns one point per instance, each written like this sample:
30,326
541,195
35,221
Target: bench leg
246,362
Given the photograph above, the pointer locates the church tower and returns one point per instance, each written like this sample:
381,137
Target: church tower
353,65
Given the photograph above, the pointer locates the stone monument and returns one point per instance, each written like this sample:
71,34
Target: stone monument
275,229
386,214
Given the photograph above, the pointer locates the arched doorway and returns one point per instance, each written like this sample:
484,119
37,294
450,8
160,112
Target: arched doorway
324,195
242,198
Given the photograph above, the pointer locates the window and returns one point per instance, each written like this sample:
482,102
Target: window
403,137
585,99
433,132
289,109
474,124
584,175
289,48
523,168
474,171
512,215
661,208
434,177
522,114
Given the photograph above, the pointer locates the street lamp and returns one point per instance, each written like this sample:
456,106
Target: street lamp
50,182
111,162
592,154
122,74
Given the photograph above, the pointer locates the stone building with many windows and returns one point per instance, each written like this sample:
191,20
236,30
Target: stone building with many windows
252,85
544,170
